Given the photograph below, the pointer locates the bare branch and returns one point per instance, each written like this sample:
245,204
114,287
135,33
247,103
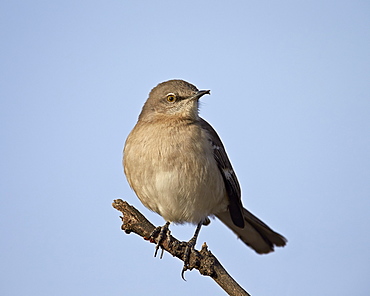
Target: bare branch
204,261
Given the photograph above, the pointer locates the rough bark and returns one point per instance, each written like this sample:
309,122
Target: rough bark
204,261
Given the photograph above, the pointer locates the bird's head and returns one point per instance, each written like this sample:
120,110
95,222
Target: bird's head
173,99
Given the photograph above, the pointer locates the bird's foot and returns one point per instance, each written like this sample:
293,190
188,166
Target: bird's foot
190,245
161,233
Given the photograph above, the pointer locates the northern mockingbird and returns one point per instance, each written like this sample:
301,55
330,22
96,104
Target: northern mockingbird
178,167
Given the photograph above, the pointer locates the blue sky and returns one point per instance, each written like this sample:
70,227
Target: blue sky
290,98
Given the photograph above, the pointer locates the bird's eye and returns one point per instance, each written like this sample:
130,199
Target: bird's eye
171,98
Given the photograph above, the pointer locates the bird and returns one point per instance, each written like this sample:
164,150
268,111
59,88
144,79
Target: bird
178,167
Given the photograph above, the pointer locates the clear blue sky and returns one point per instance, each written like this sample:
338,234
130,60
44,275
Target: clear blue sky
290,99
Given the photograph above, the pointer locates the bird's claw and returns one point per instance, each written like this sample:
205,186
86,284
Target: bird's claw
186,257
161,233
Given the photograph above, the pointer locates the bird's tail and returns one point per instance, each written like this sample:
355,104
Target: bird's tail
255,233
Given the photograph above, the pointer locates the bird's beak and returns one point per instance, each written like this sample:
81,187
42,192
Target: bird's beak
200,93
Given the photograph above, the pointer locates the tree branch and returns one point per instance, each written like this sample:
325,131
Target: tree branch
204,261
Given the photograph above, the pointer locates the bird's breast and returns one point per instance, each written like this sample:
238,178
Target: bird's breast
173,172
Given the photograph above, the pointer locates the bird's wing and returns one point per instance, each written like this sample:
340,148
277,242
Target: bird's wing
231,181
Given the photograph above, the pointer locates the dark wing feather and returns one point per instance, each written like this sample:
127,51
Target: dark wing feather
228,175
